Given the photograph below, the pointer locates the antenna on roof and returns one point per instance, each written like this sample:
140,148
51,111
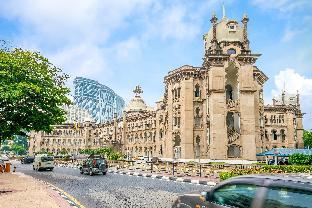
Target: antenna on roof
223,10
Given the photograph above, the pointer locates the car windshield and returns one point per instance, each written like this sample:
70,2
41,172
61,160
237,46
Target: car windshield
45,159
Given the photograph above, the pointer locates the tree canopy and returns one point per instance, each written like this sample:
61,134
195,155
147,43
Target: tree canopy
307,139
32,92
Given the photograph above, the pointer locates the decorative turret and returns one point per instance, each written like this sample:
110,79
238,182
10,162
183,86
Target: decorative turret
245,37
214,40
298,99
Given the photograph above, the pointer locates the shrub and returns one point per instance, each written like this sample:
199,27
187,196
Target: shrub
300,159
267,169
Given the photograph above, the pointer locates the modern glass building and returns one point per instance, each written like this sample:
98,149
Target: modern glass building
101,101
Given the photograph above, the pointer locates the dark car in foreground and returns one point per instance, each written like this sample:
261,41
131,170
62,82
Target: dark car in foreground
255,191
94,165
27,160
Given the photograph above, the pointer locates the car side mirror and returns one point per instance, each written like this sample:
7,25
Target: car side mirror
208,196
204,195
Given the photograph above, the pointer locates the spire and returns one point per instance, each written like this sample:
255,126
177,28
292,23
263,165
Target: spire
298,99
223,11
214,41
245,36
283,96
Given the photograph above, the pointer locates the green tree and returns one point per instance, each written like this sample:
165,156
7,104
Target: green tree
307,139
63,152
18,149
32,91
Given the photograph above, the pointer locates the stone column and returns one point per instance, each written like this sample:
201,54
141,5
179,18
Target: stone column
187,119
217,112
247,113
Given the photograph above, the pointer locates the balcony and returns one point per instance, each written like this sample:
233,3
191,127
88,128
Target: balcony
233,135
232,105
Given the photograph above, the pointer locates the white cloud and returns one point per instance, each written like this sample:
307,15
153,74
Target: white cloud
128,49
289,34
282,5
292,82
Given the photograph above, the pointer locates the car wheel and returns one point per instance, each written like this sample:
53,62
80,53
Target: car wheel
104,173
51,169
34,168
81,171
90,173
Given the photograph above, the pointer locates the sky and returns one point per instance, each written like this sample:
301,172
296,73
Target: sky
128,42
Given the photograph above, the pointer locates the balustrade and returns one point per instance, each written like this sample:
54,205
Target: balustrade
232,105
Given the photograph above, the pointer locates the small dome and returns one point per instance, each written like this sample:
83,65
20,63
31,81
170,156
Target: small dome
137,104
226,30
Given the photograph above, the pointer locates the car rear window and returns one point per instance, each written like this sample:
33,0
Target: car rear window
46,159
288,198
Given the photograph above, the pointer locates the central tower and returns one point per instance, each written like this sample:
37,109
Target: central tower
233,91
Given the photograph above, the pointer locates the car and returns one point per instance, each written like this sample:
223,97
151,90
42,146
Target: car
142,159
43,162
255,191
27,160
4,158
94,165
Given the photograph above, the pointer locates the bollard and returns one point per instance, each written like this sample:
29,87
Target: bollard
172,168
200,170
7,167
151,167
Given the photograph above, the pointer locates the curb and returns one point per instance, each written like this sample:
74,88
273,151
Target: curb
68,198
149,175
167,178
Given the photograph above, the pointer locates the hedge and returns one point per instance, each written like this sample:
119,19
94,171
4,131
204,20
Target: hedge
300,159
267,169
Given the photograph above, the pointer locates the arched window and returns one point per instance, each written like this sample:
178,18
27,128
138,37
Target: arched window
197,91
231,51
283,135
230,120
229,92
197,117
274,134
197,147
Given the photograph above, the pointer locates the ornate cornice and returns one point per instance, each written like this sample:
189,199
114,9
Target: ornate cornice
244,59
184,72
211,60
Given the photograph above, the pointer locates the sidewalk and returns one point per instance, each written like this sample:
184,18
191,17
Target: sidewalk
19,191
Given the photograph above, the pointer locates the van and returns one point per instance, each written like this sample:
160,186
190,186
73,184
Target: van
43,162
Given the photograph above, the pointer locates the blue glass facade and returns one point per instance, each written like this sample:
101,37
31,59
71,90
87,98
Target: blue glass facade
101,101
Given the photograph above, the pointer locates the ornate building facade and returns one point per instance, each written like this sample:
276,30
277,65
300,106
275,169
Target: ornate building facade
215,111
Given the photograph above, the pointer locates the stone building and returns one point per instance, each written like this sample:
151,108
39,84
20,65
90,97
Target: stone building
283,123
214,111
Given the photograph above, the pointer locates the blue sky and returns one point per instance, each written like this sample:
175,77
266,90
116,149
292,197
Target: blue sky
128,42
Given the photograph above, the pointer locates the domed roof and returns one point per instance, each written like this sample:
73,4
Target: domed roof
137,104
226,30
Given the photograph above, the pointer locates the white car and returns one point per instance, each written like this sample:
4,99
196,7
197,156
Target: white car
142,159
43,162
4,158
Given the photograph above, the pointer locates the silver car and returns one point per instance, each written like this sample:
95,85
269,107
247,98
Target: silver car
255,191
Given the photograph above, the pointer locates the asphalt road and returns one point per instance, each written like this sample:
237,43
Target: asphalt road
113,190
